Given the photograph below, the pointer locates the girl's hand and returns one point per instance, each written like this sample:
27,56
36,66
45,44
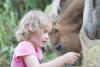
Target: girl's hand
71,57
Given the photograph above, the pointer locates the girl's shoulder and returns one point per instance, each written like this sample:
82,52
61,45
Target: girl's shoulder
25,45
24,48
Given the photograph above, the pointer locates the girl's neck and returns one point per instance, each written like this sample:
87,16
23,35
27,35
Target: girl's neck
36,45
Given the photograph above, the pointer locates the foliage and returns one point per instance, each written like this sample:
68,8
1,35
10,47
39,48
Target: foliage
8,19
49,56
48,9
38,4
7,53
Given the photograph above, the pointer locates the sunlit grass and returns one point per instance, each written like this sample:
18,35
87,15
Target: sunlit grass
91,56
91,51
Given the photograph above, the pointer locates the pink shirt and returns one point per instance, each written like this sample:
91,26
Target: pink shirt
23,49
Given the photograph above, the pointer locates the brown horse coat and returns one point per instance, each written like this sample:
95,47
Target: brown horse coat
66,37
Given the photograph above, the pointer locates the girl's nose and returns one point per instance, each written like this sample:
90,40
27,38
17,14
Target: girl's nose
46,36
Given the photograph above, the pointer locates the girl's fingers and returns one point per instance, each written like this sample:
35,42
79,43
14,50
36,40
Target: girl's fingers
76,54
73,61
76,58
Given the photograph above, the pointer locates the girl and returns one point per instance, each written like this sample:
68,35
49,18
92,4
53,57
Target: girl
32,33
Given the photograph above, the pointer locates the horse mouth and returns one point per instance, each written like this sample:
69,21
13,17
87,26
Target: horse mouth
92,35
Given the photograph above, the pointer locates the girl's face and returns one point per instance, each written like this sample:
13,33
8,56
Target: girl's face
40,40
44,39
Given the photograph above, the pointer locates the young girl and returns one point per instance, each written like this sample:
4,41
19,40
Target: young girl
32,33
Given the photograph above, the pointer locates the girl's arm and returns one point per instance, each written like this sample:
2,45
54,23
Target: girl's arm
32,61
69,58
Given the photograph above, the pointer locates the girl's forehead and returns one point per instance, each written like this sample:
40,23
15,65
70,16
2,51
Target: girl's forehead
47,29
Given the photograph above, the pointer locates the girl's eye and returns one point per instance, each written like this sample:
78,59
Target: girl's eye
45,31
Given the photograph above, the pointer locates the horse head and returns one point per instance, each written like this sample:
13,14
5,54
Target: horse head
65,32
65,41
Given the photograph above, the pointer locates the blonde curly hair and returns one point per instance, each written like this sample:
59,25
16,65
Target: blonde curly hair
34,22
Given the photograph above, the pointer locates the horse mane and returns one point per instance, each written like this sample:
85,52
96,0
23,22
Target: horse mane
55,8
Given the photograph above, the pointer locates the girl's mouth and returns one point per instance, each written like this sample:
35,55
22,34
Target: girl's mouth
44,42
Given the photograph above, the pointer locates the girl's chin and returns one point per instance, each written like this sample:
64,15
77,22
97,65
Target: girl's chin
42,45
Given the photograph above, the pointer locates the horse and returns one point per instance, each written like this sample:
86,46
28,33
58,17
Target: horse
67,21
91,19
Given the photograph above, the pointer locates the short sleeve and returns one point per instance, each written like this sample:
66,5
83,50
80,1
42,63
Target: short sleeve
24,49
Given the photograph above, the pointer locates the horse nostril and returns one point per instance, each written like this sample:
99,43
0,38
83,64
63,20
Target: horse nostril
59,47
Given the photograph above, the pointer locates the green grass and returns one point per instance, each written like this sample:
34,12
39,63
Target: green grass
91,56
49,56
